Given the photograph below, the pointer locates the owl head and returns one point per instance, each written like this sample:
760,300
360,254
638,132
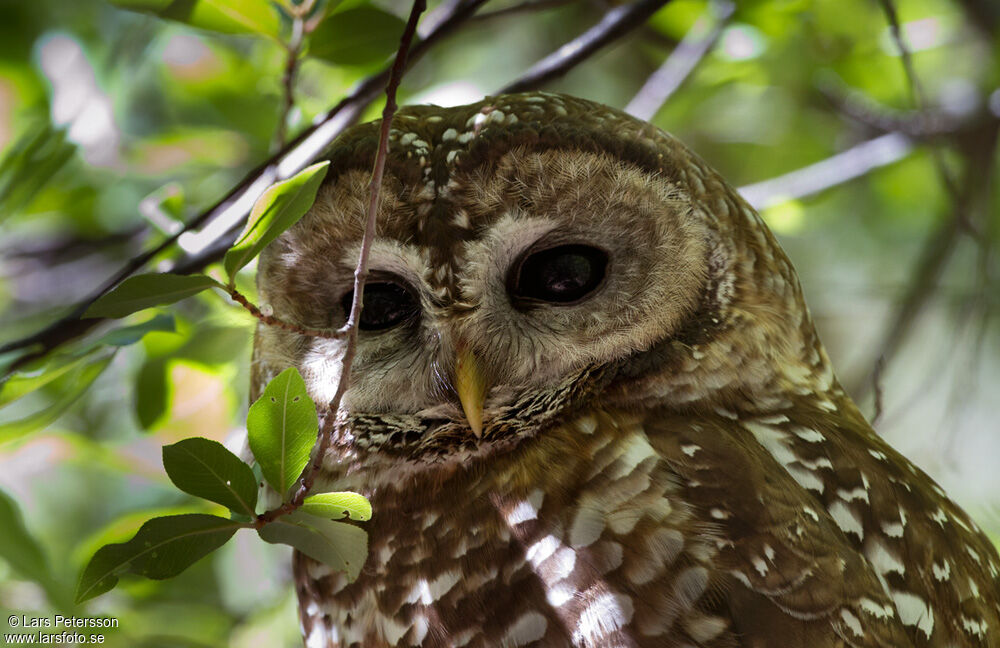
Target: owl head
534,253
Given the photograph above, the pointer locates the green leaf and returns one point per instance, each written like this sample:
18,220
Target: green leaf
152,393
226,16
341,546
17,546
25,382
128,335
37,375
334,506
29,164
148,290
356,36
277,209
163,547
72,385
8,358
121,528
282,428
205,468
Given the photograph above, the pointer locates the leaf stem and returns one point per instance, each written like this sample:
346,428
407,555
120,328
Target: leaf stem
277,322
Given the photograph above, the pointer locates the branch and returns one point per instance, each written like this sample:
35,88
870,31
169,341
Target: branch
361,272
613,25
917,94
983,15
917,124
939,247
524,7
835,170
224,219
681,62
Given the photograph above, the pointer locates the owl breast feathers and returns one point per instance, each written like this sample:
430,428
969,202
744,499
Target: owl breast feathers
590,408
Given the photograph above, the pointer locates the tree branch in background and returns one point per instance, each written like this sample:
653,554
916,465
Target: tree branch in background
835,170
980,152
681,62
613,25
524,7
916,88
866,111
229,212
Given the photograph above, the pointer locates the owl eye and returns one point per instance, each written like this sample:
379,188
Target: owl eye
561,275
386,304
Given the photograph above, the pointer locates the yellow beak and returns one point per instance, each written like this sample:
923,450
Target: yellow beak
471,387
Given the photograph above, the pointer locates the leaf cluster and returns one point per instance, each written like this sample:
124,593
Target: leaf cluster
282,428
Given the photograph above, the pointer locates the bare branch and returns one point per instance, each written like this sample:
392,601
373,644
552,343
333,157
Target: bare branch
866,111
223,220
939,246
612,26
524,7
681,62
835,170
917,94
361,272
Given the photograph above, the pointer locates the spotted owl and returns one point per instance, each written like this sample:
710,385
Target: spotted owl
590,408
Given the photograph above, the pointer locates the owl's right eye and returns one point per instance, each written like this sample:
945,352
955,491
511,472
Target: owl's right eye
386,304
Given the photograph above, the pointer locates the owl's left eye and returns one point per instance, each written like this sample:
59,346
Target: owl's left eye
386,304
565,274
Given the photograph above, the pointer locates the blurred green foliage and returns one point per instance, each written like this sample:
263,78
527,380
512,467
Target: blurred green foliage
118,119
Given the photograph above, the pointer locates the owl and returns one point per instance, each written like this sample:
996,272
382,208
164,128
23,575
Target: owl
590,408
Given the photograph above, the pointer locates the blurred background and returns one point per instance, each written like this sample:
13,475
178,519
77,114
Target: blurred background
122,120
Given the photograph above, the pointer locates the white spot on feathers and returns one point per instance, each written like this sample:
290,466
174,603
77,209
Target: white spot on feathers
876,609
522,512
538,552
846,519
529,627
604,615
914,611
852,622
882,559
942,571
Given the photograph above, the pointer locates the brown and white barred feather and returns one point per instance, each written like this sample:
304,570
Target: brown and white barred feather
676,467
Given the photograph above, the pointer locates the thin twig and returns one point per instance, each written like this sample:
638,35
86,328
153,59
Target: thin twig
361,272
939,246
916,88
835,170
698,41
614,24
277,322
236,203
292,51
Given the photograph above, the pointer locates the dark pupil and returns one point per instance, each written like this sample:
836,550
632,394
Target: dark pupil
385,304
561,274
